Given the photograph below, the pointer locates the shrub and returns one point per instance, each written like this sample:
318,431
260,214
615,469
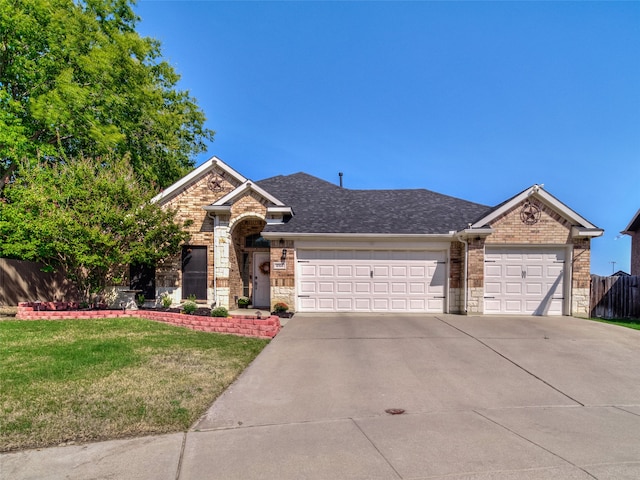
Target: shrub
166,300
243,302
190,306
140,300
280,307
220,312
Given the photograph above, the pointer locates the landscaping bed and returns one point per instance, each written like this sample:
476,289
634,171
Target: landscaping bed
244,325
200,311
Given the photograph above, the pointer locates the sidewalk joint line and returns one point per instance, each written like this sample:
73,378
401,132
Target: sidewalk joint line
495,422
622,408
376,448
179,469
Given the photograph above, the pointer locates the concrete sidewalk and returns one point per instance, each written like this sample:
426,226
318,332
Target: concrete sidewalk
484,398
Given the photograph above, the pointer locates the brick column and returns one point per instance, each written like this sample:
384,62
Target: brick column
456,277
475,272
581,277
221,242
635,253
283,287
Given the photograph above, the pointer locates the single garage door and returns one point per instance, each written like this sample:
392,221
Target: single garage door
524,281
371,281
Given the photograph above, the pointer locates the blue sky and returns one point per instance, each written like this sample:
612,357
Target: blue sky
477,100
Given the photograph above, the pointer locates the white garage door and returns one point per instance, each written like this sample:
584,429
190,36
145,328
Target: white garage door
524,281
371,281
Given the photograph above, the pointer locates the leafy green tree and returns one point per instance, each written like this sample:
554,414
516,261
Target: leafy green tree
87,218
77,80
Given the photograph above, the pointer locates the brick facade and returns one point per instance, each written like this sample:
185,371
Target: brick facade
456,264
241,258
229,261
189,205
635,253
283,284
224,227
456,274
550,230
475,275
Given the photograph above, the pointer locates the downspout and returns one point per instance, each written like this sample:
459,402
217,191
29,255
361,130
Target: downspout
569,281
466,272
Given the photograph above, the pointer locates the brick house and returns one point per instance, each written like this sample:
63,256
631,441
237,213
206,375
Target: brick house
323,248
633,230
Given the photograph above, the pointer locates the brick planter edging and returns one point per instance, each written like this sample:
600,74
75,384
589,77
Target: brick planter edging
242,325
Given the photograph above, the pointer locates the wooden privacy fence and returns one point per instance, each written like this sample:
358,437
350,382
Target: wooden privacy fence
22,281
615,297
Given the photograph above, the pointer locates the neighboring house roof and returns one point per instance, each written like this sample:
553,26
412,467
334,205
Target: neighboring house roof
634,224
621,273
322,207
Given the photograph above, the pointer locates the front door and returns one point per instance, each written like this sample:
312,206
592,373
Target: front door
261,269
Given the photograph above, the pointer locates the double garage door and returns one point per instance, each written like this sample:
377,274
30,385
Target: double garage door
371,281
524,281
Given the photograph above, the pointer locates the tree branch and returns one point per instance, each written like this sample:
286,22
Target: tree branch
7,176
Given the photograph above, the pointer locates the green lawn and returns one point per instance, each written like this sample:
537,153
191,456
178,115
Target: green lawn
627,322
80,380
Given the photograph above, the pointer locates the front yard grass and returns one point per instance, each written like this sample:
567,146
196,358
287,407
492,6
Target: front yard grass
628,322
81,380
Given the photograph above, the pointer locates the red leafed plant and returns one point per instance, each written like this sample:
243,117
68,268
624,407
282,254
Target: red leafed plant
280,307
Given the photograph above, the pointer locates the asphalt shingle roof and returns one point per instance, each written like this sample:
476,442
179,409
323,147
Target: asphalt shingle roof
322,207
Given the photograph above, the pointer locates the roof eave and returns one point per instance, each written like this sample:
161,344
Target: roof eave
631,228
586,232
355,236
218,209
475,232
279,209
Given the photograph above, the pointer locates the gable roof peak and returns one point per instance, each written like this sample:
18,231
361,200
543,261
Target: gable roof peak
537,191
214,163
634,224
246,186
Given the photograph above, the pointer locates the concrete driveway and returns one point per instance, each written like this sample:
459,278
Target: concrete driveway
484,398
